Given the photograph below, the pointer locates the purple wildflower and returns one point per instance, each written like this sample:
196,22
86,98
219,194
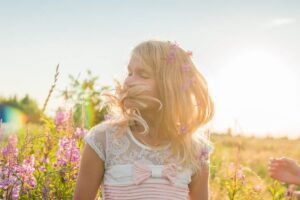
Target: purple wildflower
26,172
68,152
61,117
10,152
240,175
16,190
42,168
80,132
257,188
45,160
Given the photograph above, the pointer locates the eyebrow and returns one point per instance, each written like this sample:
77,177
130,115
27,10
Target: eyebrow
138,69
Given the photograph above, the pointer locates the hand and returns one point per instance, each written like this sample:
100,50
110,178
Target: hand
285,170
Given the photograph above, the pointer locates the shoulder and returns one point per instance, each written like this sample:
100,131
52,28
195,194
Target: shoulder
201,143
100,129
96,137
202,148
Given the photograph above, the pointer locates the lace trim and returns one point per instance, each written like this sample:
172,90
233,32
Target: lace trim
145,146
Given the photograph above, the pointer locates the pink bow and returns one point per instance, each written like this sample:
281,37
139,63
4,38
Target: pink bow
142,172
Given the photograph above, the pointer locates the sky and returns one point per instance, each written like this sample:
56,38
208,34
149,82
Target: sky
249,51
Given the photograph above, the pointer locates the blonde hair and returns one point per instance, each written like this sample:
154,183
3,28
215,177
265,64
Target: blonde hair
185,103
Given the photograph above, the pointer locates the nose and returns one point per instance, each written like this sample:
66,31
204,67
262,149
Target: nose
129,81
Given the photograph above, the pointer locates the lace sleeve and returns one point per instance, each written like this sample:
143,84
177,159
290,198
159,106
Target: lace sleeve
96,138
204,149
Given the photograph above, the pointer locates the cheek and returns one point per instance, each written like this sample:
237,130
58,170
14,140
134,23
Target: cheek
154,91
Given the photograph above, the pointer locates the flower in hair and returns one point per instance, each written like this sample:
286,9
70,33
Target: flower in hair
172,53
198,103
189,53
188,82
185,67
183,129
171,57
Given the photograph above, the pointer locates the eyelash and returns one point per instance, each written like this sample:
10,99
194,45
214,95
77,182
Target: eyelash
143,75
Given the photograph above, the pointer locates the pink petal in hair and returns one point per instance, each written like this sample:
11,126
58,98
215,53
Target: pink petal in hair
186,67
183,129
172,53
188,82
171,57
189,53
193,80
198,104
174,45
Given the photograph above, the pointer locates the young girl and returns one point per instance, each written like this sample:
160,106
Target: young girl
150,147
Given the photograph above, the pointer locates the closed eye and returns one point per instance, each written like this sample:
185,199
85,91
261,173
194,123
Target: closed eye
144,75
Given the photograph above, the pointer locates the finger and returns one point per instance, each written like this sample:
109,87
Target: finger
289,161
273,169
296,193
274,165
275,161
279,163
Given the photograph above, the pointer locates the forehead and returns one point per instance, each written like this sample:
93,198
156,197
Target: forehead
136,63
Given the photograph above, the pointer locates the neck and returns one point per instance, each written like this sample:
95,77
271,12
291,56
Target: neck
152,122
154,133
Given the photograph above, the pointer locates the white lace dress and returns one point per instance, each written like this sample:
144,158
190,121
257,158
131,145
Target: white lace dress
134,170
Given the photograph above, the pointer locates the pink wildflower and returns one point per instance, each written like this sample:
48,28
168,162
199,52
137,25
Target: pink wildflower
79,132
257,188
68,152
61,117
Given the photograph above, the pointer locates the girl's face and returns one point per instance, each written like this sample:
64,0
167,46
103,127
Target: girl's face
141,75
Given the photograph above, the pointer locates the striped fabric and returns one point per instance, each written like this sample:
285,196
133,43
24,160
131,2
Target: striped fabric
145,191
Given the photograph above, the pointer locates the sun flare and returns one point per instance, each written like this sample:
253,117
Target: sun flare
257,88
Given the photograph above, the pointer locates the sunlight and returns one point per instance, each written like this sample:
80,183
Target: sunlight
257,88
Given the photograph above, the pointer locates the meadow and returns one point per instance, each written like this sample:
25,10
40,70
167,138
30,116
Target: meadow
42,161
239,167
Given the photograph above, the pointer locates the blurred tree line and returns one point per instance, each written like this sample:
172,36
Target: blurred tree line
84,96
26,105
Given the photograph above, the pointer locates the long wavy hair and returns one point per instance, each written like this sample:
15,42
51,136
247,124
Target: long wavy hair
184,103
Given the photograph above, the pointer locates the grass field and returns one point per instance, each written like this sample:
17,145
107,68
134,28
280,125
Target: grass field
238,164
251,155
